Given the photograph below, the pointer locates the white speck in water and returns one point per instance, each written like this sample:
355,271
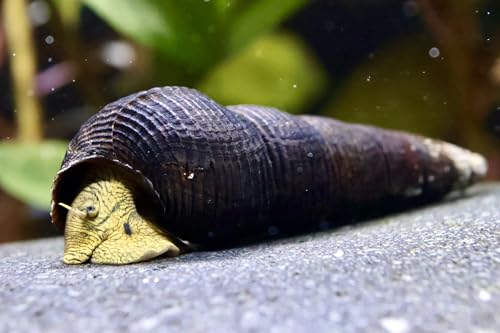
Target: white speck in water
156,280
145,280
117,53
434,52
52,89
49,39
431,178
368,78
74,80
310,155
483,295
190,176
488,13
395,325
14,54
294,86
39,12
49,59
339,253
306,190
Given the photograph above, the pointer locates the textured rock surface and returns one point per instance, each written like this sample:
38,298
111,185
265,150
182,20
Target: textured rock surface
435,269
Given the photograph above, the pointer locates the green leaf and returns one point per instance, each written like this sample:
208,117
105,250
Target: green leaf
194,33
27,170
186,31
276,70
258,17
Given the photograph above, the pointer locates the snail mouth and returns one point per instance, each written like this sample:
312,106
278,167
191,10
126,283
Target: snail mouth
78,251
75,258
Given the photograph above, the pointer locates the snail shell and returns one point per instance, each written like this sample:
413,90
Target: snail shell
218,174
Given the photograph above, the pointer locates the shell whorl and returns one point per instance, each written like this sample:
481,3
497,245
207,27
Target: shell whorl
218,174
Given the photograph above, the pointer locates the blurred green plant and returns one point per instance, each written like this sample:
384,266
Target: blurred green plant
194,33
276,70
19,38
27,169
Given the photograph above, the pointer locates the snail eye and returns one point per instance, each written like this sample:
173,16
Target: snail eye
91,210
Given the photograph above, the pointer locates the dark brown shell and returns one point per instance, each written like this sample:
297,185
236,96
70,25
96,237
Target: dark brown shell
219,174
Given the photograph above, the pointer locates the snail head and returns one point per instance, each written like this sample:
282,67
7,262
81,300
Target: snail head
103,225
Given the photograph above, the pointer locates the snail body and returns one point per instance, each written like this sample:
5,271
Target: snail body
201,173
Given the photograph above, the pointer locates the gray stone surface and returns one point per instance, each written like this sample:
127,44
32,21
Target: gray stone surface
434,269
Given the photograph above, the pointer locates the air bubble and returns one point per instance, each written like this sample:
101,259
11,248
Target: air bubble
434,52
49,39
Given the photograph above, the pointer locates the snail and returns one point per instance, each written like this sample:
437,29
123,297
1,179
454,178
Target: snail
164,171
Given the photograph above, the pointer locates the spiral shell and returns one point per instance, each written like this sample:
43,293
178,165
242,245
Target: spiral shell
216,174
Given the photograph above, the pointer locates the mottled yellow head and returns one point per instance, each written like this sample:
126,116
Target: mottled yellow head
104,226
